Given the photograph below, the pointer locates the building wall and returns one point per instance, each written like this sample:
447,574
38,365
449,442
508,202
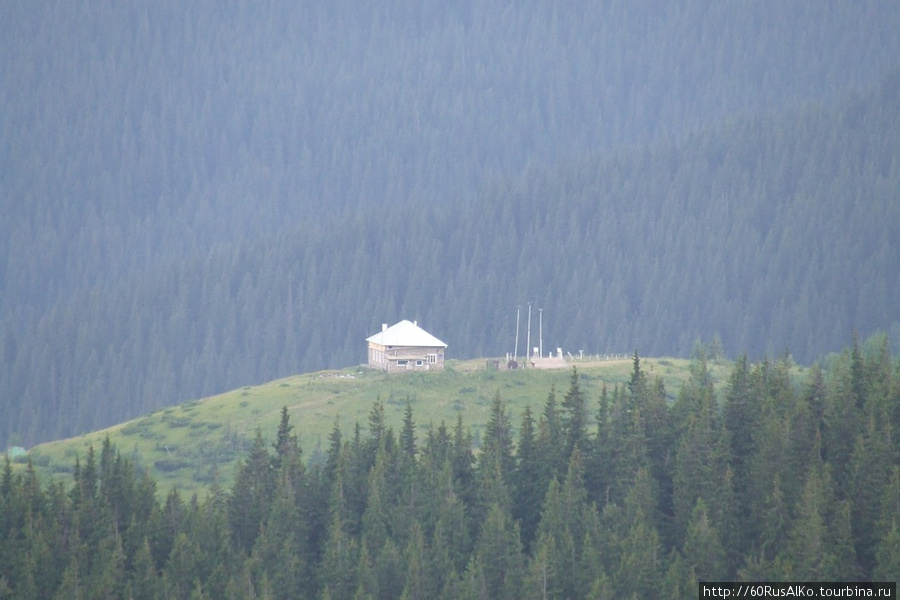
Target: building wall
395,359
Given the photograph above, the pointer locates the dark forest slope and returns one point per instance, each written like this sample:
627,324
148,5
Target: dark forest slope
608,487
196,198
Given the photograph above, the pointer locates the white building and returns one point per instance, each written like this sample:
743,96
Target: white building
405,346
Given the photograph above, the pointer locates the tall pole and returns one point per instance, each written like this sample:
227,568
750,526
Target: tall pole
516,353
528,342
541,331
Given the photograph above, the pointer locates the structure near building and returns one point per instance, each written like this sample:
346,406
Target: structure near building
405,346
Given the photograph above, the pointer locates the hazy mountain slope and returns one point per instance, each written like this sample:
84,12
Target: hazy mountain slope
198,197
134,132
774,234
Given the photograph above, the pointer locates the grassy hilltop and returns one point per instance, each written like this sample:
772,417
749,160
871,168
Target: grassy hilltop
201,441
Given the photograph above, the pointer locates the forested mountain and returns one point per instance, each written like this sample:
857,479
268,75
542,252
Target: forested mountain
765,478
198,197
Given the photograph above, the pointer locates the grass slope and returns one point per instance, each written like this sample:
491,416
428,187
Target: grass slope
201,441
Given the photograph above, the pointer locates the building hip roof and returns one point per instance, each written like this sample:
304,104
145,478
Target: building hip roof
405,333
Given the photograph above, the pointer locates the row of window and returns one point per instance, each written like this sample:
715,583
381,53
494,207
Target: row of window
378,356
429,358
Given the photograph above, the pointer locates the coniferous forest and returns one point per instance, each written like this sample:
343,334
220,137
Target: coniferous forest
195,197
770,477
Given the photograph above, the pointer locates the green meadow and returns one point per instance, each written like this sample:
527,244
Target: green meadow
201,441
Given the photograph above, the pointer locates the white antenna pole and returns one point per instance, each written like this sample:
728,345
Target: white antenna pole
516,353
541,331
528,342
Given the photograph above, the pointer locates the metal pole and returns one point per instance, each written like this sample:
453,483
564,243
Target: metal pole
528,342
541,331
516,353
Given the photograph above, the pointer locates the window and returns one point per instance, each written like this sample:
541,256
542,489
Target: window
402,363
431,358
418,363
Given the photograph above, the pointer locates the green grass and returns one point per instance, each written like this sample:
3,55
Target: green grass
201,441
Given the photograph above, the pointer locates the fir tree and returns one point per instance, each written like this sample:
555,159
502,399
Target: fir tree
703,547
251,495
551,444
528,488
497,443
408,434
575,416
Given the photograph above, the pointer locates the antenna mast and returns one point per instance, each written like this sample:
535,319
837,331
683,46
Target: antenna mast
541,331
528,342
516,352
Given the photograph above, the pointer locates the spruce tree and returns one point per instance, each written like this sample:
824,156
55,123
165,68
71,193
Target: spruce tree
574,416
416,585
376,520
143,580
551,443
599,459
366,584
281,546
887,546
638,561
887,554
703,546
452,525
740,412
541,581
408,434
497,443
498,555
337,571
181,569
462,463
286,445
251,495
871,467
807,549
528,488
389,570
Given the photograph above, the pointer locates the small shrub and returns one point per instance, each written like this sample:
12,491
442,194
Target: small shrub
167,465
205,474
134,429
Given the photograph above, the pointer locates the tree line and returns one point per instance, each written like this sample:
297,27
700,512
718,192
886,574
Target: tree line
638,493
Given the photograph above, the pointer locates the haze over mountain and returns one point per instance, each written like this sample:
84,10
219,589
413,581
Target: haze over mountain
204,196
